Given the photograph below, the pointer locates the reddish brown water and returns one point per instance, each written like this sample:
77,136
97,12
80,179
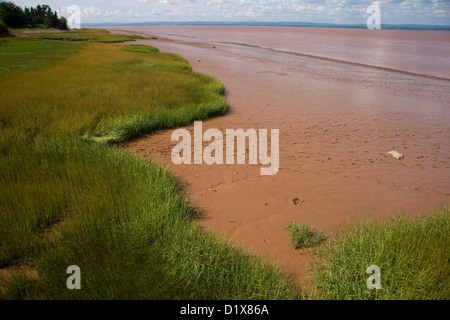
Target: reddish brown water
423,52
337,121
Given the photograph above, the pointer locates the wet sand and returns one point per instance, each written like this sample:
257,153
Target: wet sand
337,121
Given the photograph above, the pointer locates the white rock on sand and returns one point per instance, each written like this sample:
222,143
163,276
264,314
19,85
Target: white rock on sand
397,154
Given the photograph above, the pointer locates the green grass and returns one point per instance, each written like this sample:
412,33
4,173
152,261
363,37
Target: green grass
302,236
412,254
97,35
107,93
71,196
22,54
36,50
126,225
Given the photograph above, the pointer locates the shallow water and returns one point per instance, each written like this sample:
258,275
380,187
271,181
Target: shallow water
417,51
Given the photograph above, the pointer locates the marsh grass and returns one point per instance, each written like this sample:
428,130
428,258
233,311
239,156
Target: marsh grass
302,236
412,254
70,196
129,229
107,93
18,54
36,50
98,35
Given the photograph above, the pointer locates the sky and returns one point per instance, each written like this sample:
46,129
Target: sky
431,12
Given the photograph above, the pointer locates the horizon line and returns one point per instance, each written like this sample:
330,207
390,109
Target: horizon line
269,23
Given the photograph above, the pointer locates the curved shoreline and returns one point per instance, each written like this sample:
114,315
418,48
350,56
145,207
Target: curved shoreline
70,201
333,141
356,64
413,51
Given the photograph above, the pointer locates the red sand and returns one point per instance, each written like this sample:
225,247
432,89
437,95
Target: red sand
337,122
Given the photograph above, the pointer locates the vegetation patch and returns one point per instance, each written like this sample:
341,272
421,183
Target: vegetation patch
70,196
41,16
302,236
412,255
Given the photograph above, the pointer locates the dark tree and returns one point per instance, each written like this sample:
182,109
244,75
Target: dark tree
4,32
62,24
12,15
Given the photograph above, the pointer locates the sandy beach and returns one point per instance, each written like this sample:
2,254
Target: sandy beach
342,99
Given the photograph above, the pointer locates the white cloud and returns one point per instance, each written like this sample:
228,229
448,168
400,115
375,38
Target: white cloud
344,11
441,13
92,12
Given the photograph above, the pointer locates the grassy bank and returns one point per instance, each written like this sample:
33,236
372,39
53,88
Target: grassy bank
33,50
412,255
71,197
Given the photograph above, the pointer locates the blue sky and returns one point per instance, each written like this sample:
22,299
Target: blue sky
325,11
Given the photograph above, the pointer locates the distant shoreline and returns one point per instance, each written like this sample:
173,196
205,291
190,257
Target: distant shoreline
273,24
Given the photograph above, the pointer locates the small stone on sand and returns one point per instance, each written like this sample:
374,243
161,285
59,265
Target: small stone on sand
396,154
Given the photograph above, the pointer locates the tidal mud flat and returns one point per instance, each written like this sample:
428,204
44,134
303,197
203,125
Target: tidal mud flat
341,99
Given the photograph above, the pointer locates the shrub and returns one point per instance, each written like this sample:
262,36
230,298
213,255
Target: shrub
4,32
301,235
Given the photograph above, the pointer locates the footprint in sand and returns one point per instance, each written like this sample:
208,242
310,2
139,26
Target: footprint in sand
296,201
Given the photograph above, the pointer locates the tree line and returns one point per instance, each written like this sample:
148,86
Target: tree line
13,16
